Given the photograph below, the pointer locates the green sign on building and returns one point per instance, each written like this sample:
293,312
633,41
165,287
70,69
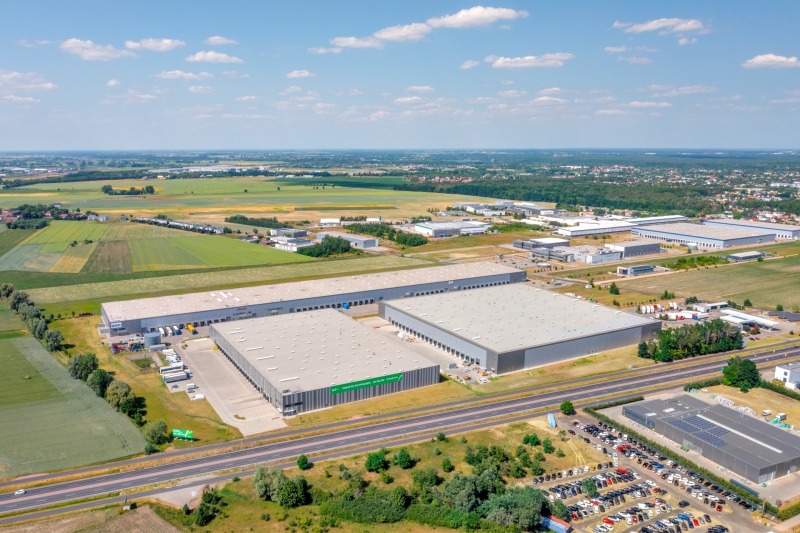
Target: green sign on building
364,383
183,434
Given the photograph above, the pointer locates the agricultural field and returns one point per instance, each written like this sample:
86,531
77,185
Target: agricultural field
51,421
220,279
9,321
59,234
74,258
211,200
766,284
29,257
110,257
160,254
219,251
128,231
11,238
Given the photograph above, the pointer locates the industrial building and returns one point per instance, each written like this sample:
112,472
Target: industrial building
317,359
630,249
561,253
291,244
637,270
508,328
747,446
288,232
781,231
705,236
356,241
740,319
582,254
789,374
451,229
545,242
744,256
210,307
595,227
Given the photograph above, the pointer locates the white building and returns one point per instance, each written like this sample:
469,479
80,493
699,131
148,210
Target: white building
356,241
790,375
450,229
330,222
290,244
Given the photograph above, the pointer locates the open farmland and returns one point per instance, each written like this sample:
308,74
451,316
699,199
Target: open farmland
127,231
51,421
766,283
110,257
62,233
29,257
116,290
10,239
74,258
223,251
160,254
9,321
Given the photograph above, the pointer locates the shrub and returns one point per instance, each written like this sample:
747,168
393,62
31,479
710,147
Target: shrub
375,462
447,465
303,463
437,451
548,446
404,460
567,408
156,432
81,366
98,381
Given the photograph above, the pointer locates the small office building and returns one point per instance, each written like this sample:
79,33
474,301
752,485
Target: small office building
545,242
745,445
317,359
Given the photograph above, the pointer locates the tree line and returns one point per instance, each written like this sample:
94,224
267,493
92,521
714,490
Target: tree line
133,191
35,321
386,231
269,222
329,246
690,340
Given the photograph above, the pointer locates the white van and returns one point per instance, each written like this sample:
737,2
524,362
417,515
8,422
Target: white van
190,387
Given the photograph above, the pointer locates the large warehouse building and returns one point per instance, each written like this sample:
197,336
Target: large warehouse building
704,236
745,445
511,328
206,308
781,231
317,359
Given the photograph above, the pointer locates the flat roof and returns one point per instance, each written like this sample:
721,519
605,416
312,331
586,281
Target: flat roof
317,349
744,437
503,318
233,298
746,255
702,231
348,236
452,225
628,244
549,240
755,224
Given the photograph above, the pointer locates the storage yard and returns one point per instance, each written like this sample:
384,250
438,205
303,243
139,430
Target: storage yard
509,328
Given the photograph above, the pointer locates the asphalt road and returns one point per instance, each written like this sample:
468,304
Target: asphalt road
59,493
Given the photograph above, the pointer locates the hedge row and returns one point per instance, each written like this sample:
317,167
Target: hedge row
663,450
702,384
780,389
615,403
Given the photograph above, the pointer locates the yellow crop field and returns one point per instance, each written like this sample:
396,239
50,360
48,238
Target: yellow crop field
73,259
127,231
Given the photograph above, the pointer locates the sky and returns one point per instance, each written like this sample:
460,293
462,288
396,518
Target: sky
392,75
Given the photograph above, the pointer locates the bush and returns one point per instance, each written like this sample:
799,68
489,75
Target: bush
447,465
560,453
376,461
265,517
150,448
441,437
404,460
156,432
374,507
303,463
81,366
99,381
702,384
548,446
567,408
437,451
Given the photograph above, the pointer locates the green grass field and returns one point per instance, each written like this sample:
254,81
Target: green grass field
766,284
223,251
10,239
51,421
160,254
220,279
8,320
63,232
29,257
128,231
74,258
110,257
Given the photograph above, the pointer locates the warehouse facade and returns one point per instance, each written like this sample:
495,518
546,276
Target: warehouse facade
751,448
635,248
705,235
781,231
510,328
356,241
206,308
313,360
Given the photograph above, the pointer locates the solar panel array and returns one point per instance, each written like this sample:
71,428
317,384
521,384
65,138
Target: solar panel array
702,429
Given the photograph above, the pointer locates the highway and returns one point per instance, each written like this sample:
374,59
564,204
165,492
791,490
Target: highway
59,493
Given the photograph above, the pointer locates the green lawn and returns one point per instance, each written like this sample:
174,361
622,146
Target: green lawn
51,421
766,284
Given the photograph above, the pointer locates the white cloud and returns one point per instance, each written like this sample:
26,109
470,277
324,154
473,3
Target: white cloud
476,16
21,99
213,57
354,92
681,91
234,74
552,90
379,115
244,117
490,59
357,42
291,90
403,32
88,51
548,100
300,74
512,94
650,104
32,44
408,100
546,60
664,26
18,81
320,50
155,45
615,49
218,39
636,60
684,41
646,49
610,112
420,89
113,83
246,98
771,61
130,97
507,82
785,101
322,106
181,75
469,64
601,100
200,89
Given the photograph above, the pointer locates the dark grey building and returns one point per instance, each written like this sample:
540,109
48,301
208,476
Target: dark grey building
635,248
212,307
507,328
317,359
752,448
546,242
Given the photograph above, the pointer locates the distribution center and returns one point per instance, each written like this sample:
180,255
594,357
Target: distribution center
707,236
317,359
508,328
212,307
751,448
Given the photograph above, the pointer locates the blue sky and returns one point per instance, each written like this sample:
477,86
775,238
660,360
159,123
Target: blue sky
510,74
